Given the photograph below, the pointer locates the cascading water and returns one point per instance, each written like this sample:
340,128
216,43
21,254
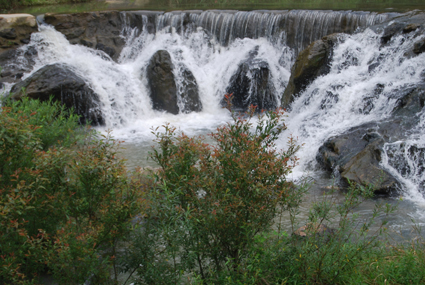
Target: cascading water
212,44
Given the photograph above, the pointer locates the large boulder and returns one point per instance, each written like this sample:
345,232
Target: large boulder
162,83
99,30
357,153
252,85
166,93
65,86
311,63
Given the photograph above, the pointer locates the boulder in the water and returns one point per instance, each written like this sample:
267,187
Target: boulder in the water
164,88
162,82
311,63
65,86
252,85
357,153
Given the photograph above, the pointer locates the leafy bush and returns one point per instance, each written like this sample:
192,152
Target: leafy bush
65,204
210,202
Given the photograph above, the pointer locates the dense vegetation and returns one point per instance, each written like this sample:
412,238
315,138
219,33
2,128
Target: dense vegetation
210,214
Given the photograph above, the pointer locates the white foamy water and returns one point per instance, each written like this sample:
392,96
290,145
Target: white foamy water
332,104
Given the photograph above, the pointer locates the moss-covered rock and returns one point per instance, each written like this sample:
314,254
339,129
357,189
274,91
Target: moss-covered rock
311,63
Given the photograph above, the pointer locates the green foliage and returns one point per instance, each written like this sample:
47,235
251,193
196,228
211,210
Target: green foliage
210,214
30,126
212,201
63,207
55,124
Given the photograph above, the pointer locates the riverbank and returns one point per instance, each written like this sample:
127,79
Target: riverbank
8,6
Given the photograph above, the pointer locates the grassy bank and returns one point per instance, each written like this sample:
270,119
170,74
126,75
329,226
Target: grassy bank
13,4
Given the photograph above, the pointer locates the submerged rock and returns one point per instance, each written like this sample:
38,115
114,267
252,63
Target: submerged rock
65,86
252,85
311,63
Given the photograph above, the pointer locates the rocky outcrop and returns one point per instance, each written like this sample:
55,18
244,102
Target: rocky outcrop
311,63
15,62
252,85
357,153
162,83
163,86
65,86
16,30
99,30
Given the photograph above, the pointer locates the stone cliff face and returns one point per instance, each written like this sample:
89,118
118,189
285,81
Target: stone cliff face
98,30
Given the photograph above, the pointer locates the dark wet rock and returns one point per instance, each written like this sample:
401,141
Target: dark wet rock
9,34
108,50
356,154
162,83
391,30
252,85
141,20
189,92
16,30
16,62
165,89
65,86
419,46
101,30
311,63
373,66
410,28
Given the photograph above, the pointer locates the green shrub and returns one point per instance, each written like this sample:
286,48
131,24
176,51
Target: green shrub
211,201
63,209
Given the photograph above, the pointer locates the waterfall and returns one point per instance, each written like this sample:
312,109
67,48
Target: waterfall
363,84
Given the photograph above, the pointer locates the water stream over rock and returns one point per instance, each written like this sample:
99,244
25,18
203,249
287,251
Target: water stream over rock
359,106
